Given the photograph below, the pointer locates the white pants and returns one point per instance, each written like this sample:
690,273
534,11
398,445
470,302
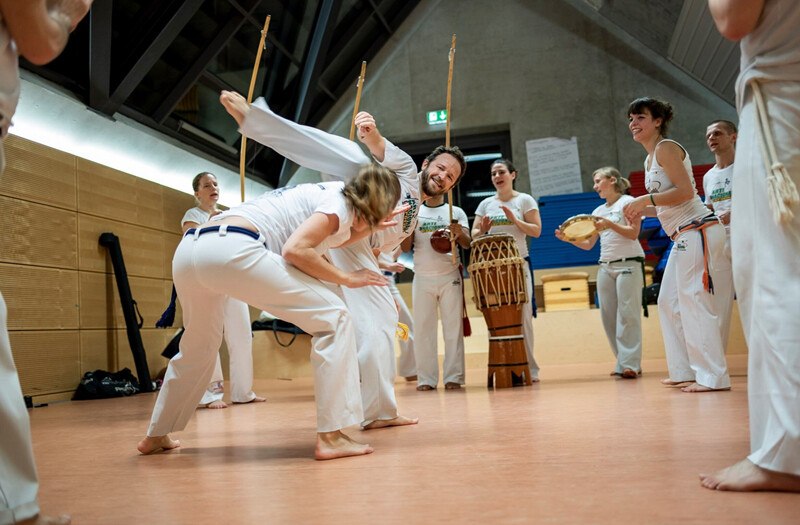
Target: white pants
689,314
406,363
766,264
19,485
376,318
209,268
239,340
619,287
726,308
527,323
443,293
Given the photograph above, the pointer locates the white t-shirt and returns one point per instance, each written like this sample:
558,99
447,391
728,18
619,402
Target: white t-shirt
614,246
278,213
403,165
656,180
520,204
9,79
428,261
772,50
196,215
717,185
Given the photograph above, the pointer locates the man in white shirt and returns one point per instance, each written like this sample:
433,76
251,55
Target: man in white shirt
717,185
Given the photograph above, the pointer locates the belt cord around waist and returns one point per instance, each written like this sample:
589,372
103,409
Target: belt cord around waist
223,230
640,260
700,225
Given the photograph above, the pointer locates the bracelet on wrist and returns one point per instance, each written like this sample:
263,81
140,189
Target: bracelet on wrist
652,200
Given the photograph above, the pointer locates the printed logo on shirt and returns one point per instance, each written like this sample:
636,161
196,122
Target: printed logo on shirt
680,245
456,282
410,216
430,225
615,217
653,186
719,192
500,220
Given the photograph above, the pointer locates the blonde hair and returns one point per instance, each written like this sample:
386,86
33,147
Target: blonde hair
621,184
373,193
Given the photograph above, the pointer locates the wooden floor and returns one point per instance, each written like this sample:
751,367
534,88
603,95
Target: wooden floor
579,447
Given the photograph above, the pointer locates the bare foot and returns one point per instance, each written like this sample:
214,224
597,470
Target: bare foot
47,520
695,387
748,477
151,445
629,374
411,379
256,399
670,382
235,104
399,421
535,379
336,444
214,405
615,373
425,388
452,386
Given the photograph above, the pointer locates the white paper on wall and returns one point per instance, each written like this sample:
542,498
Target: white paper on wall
554,167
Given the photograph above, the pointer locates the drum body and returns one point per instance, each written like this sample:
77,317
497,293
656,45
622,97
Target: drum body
498,281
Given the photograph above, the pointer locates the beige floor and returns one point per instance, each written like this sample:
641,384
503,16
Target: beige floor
579,447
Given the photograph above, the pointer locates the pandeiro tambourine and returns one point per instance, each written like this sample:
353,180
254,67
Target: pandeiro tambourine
579,227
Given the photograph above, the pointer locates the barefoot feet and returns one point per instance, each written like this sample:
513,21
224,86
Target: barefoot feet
47,520
151,445
452,386
696,387
256,399
214,404
336,444
670,382
399,421
235,104
629,374
748,477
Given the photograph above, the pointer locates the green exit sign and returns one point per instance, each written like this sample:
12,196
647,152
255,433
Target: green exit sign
437,117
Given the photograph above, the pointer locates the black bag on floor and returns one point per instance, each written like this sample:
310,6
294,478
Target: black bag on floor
101,384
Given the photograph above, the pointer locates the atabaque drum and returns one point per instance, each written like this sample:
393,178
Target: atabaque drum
499,282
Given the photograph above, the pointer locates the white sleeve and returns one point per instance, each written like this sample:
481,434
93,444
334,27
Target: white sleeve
309,147
481,210
399,162
705,190
194,215
461,217
528,203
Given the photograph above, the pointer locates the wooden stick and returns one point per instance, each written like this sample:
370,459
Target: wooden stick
451,59
243,149
359,85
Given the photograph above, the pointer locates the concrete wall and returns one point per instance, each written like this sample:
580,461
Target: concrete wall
538,68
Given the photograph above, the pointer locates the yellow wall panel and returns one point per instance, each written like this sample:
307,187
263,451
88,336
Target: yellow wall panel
101,307
40,298
116,195
47,361
142,248
37,173
175,205
37,234
110,350
170,244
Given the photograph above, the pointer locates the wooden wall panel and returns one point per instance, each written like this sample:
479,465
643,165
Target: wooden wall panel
37,173
116,195
47,361
170,244
109,350
142,248
40,298
101,307
98,350
175,205
37,234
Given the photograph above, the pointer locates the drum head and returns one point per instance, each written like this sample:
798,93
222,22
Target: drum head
579,228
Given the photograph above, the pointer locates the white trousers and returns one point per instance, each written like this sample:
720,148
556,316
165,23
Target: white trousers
689,314
766,264
406,363
209,268
19,485
239,340
619,287
527,323
443,293
376,318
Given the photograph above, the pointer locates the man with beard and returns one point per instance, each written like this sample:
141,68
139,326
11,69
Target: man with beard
315,149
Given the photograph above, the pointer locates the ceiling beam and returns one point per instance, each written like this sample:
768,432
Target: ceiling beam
99,56
193,72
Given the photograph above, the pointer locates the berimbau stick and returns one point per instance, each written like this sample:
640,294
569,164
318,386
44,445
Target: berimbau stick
243,151
359,85
451,59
